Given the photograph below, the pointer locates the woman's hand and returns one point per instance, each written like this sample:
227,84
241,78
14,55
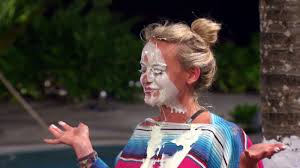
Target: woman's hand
257,152
76,137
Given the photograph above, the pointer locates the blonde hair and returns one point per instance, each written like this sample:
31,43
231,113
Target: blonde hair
194,43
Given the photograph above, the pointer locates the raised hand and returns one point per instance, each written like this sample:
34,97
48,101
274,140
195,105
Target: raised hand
257,152
260,151
76,137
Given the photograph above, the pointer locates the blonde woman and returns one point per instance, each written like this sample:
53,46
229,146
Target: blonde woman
177,63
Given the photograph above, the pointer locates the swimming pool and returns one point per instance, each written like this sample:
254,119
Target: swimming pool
59,158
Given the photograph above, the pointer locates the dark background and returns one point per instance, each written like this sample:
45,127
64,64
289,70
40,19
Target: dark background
239,19
69,42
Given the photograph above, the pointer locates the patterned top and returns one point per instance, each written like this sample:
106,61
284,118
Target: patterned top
169,145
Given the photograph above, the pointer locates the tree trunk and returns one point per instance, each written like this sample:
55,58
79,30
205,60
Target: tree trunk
280,67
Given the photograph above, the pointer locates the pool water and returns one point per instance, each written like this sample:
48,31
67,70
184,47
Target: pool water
64,158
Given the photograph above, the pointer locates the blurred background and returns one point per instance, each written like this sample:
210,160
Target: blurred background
78,61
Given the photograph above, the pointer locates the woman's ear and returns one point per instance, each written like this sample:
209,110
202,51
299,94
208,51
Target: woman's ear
193,75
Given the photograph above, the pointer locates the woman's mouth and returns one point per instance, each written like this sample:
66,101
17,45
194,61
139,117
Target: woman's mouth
149,91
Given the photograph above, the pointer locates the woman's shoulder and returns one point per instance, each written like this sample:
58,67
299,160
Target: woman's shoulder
221,130
220,138
230,131
223,124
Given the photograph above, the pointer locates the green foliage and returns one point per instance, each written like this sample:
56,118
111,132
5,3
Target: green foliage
244,114
238,67
17,11
83,51
84,48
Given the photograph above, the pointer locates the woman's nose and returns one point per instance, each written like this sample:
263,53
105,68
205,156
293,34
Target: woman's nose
147,78
150,76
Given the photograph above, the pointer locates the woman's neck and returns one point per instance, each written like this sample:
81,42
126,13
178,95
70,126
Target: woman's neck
190,107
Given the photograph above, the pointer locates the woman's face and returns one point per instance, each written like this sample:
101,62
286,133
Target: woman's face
162,76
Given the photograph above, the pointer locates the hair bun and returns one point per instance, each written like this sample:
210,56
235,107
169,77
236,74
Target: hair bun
206,29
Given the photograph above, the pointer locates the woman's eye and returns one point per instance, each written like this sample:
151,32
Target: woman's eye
157,71
142,70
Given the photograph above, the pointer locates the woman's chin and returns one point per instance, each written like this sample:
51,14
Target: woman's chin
151,101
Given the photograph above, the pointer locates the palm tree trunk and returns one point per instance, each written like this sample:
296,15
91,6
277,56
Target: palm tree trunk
280,67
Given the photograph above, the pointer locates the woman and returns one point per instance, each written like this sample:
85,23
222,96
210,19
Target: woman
176,64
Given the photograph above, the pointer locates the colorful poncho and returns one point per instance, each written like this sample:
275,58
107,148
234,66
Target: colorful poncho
171,145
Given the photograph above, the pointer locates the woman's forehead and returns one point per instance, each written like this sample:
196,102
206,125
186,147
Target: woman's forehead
151,54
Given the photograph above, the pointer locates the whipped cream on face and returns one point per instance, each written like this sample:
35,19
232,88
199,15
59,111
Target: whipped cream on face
159,89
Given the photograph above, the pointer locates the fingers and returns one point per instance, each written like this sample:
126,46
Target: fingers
279,147
52,141
260,151
275,148
65,126
82,125
271,150
55,130
83,128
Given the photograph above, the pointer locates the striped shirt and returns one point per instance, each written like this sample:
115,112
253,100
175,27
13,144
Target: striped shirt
215,145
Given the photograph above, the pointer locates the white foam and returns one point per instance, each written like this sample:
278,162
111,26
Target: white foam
153,144
185,140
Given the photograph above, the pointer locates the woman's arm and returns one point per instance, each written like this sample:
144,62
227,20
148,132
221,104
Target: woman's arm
250,157
76,137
